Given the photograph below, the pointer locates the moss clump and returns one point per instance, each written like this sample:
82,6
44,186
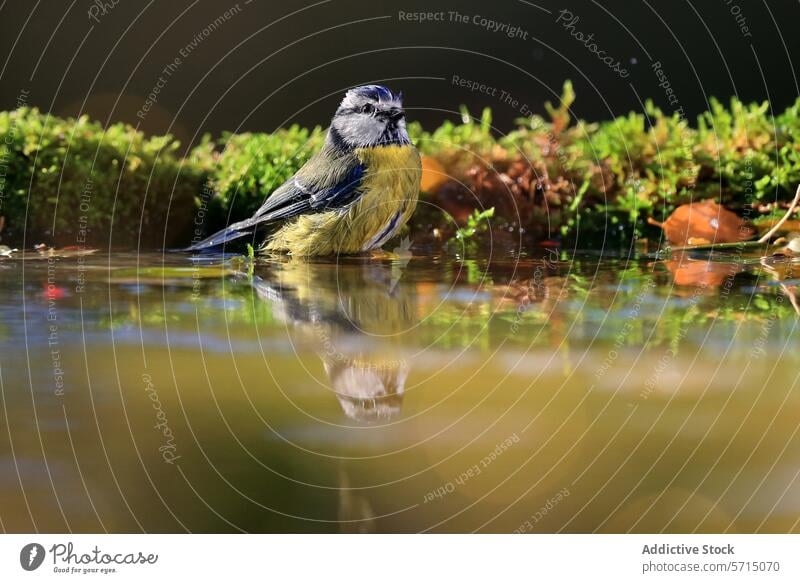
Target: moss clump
71,182
245,168
551,176
558,176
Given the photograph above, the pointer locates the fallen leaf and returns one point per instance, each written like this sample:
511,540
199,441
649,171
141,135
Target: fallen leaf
433,174
789,225
705,220
700,272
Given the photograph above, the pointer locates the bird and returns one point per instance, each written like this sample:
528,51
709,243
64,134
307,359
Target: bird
352,196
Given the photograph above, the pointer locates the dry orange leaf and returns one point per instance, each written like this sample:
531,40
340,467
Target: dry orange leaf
704,221
699,272
433,174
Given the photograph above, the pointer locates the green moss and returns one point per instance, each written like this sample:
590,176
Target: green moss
477,222
71,176
614,174
245,168
74,183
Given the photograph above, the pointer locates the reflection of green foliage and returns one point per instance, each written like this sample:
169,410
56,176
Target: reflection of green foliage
168,275
251,261
475,273
580,285
761,303
623,305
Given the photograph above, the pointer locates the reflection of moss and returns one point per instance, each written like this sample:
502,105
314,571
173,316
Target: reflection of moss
474,305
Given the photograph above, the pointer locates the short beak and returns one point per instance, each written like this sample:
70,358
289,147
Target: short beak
395,114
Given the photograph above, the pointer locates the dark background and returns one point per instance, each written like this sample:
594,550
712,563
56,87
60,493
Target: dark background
266,67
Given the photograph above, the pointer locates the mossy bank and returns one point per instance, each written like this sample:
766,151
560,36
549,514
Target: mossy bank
74,182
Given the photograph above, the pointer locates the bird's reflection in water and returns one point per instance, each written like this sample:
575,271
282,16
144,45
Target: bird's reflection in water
355,510
353,313
368,389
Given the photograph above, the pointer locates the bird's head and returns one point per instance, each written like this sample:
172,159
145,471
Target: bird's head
368,116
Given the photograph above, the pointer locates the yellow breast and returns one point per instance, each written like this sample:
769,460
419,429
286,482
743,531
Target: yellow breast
389,192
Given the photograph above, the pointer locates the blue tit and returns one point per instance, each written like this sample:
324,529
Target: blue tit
353,195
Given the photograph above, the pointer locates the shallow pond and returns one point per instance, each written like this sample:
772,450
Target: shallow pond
548,393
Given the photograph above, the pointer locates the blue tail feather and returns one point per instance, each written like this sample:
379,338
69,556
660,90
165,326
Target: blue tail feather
219,238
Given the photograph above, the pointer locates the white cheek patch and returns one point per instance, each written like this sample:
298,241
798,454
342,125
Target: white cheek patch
360,129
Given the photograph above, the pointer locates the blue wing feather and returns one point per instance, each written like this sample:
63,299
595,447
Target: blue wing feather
325,182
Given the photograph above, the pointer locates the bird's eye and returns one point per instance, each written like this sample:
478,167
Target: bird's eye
367,108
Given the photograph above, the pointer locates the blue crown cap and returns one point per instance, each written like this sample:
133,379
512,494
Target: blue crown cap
378,93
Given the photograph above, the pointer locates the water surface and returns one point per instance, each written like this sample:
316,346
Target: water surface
549,393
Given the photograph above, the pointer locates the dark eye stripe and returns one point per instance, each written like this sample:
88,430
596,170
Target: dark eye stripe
346,110
360,109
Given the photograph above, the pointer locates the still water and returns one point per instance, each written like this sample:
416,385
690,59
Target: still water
550,393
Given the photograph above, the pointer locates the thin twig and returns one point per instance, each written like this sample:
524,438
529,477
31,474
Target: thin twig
778,225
